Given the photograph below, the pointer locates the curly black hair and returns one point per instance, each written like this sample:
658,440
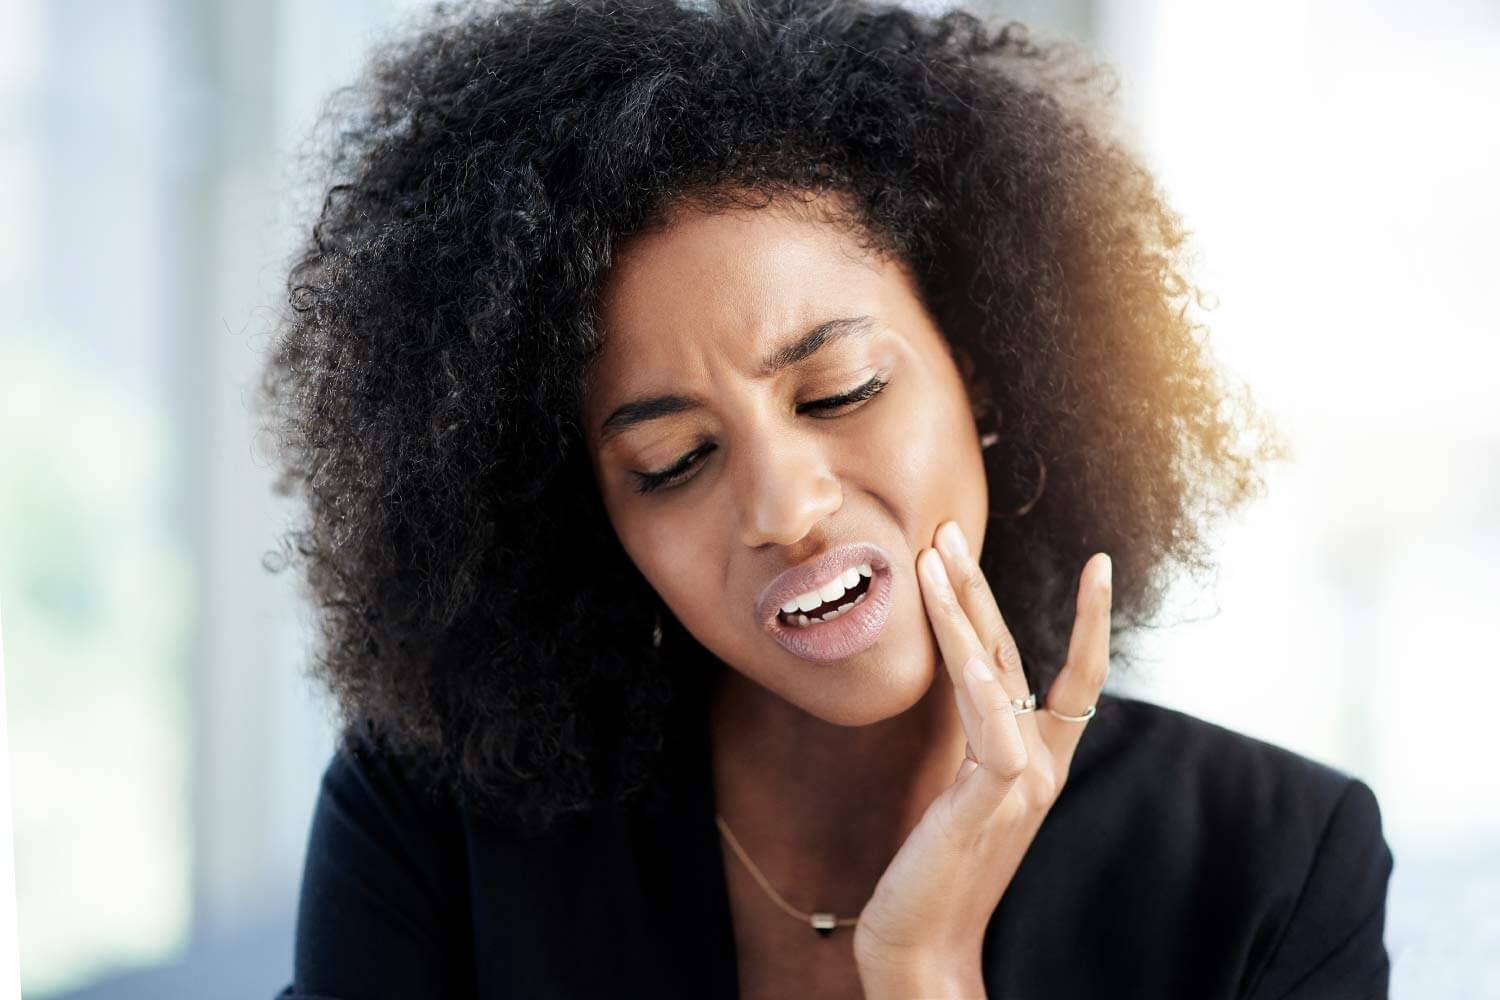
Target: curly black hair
477,610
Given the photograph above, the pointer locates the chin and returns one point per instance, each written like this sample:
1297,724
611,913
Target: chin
869,693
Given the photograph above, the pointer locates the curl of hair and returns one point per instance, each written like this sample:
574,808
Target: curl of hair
475,607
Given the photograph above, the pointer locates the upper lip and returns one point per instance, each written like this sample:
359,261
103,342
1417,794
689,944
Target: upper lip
816,571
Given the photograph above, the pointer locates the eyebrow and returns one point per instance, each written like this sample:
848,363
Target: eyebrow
638,411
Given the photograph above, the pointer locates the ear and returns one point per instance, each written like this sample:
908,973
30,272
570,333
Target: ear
976,386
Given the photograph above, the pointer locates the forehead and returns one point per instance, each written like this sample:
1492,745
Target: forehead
711,290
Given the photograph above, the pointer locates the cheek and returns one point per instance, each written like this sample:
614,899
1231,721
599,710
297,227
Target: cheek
923,461
684,560
672,558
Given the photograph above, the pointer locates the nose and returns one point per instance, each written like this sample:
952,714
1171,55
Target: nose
787,488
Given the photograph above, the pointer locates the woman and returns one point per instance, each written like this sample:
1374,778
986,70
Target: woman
730,433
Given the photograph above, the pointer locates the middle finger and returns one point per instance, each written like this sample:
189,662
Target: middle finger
958,643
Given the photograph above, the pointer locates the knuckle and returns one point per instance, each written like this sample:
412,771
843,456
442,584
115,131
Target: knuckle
1096,672
1011,765
1006,653
972,583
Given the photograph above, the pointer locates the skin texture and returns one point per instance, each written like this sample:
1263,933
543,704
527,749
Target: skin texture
804,753
693,311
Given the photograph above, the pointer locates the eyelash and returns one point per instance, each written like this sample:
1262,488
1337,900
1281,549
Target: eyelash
648,481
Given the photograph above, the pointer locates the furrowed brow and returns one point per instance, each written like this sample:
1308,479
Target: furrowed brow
813,341
639,411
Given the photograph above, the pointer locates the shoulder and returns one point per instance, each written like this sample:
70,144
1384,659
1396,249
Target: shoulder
369,777
375,808
1290,848
1216,788
1189,763
381,909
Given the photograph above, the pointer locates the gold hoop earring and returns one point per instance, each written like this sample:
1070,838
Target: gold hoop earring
988,438
1041,486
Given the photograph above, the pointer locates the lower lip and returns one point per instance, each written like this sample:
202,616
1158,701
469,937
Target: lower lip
852,632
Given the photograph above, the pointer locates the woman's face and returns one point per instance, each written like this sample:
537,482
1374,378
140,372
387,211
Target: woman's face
769,483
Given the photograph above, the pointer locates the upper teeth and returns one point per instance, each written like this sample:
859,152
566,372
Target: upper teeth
830,591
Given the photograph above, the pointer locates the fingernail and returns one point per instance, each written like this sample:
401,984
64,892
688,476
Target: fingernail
978,670
932,564
952,541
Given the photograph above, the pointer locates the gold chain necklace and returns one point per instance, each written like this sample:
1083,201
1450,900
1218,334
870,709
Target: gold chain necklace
823,923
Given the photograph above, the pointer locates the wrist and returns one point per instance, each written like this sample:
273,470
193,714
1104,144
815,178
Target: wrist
935,979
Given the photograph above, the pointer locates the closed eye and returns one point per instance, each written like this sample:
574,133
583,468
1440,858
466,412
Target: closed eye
648,481
866,391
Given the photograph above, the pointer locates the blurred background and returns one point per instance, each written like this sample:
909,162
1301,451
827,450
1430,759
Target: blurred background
1336,161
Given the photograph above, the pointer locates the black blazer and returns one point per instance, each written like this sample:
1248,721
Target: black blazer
1181,859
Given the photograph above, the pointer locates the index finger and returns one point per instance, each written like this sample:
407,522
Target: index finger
986,623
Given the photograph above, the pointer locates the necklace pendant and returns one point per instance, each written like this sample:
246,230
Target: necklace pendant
823,923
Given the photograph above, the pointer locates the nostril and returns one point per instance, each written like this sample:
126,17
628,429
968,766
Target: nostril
781,508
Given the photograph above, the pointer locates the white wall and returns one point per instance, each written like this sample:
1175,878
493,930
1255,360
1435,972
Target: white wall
1336,162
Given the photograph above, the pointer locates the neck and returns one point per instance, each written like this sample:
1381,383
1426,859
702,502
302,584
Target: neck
821,809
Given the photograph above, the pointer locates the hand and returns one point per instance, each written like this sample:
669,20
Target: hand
931,907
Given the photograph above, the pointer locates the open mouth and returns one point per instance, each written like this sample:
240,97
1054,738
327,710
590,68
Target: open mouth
829,610
841,627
